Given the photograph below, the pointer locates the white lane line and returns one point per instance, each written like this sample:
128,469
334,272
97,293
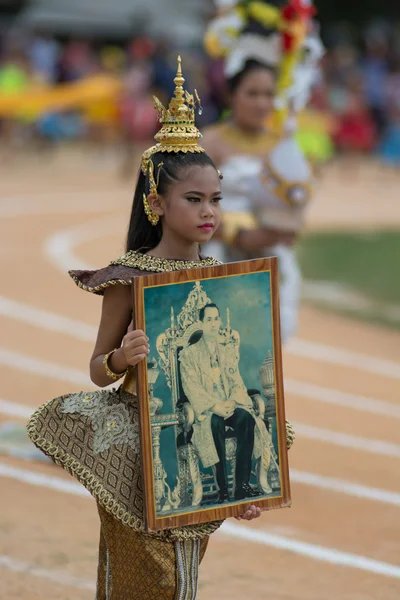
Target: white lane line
60,250
59,247
319,553
353,401
354,442
14,409
75,202
343,358
330,555
59,577
26,313
345,487
82,331
334,294
67,486
44,368
311,479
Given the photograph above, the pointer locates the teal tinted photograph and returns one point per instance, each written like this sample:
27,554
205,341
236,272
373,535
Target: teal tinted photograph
211,392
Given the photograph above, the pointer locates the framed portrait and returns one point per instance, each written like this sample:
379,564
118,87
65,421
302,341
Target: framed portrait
212,411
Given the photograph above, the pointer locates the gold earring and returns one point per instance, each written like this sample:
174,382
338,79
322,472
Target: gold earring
151,215
152,183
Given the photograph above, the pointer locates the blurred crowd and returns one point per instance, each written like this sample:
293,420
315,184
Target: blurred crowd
360,87
110,90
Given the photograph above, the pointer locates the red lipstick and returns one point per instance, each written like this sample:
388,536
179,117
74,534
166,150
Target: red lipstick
206,227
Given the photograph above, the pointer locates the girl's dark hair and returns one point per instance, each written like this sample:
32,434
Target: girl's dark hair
250,66
141,234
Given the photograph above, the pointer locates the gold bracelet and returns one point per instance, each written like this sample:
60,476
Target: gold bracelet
290,435
111,374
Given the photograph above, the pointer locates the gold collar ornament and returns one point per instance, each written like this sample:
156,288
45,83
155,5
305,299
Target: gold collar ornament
177,134
155,264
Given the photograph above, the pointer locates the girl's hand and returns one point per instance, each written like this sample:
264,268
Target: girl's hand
135,346
252,513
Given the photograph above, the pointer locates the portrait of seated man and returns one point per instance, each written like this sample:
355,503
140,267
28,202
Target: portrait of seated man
214,387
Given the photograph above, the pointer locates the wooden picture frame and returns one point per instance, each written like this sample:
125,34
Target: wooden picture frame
232,355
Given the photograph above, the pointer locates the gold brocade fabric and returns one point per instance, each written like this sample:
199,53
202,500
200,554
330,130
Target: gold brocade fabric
134,565
133,264
153,264
94,436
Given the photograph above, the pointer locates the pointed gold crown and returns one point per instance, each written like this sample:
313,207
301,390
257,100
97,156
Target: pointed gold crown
178,132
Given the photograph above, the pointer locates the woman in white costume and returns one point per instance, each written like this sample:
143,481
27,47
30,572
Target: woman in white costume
267,180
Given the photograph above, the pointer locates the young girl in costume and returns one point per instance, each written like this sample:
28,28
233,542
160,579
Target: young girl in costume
94,435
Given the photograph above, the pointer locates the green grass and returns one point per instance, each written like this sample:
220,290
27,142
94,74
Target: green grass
366,262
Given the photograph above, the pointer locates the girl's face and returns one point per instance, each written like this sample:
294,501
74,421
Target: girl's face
190,209
253,99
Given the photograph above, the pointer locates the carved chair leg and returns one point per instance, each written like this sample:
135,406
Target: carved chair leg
195,477
262,476
231,446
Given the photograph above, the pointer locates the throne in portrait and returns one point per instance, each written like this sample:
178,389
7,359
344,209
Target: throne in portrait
198,487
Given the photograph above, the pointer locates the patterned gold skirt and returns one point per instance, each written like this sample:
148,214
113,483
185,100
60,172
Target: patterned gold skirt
135,565
94,436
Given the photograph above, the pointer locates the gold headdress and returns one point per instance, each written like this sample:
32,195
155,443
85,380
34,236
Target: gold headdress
276,33
177,134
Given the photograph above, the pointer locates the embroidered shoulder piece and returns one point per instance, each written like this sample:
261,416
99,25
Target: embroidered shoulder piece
151,264
97,281
132,264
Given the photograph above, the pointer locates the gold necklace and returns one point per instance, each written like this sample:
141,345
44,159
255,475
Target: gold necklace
261,143
145,262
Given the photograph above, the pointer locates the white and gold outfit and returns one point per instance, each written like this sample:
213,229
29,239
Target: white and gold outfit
270,190
267,182
201,381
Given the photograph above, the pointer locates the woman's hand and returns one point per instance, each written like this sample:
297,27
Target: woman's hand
135,346
251,513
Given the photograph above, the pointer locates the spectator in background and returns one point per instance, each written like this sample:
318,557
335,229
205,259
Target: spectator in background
163,72
376,70
76,62
341,64
355,128
14,73
15,78
392,87
390,148
44,54
138,121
